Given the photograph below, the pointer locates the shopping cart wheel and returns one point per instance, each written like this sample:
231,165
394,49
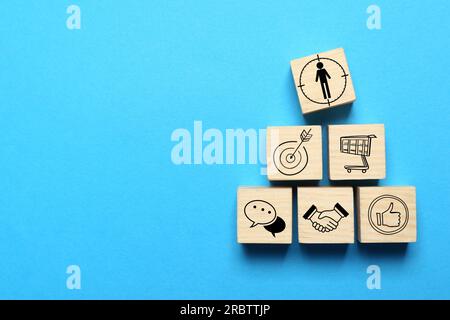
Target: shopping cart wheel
364,171
349,170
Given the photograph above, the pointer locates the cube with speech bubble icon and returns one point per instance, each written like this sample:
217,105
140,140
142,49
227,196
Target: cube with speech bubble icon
264,215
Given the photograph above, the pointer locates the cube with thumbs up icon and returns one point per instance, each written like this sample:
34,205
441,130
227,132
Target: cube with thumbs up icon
386,214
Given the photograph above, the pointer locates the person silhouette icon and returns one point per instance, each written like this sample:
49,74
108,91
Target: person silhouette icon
322,75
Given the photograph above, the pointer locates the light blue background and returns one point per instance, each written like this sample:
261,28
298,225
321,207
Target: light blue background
86,117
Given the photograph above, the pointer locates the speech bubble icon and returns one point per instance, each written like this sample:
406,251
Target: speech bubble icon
276,227
260,212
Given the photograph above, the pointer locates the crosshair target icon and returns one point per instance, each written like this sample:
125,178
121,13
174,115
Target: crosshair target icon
289,158
333,81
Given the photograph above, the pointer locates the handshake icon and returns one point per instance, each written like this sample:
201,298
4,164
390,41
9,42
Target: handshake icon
325,221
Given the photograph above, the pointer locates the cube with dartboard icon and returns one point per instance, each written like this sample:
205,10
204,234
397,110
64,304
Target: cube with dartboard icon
294,153
386,214
323,80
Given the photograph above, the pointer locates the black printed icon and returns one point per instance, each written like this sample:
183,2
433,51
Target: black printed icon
388,214
327,220
388,217
261,212
326,73
357,145
323,75
291,157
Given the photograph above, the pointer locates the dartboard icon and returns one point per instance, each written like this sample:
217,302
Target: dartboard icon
291,157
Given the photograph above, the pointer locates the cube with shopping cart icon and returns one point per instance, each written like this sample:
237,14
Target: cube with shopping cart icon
356,152
360,146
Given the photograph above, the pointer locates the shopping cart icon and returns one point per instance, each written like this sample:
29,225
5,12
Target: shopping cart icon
360,146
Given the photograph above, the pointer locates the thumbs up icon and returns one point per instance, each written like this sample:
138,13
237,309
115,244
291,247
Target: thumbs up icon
388,218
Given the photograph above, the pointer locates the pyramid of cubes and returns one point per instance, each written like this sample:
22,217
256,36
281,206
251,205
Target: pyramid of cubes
385,214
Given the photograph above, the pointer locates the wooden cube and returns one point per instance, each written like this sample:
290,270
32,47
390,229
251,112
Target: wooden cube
356,152
294,153
264,215
325,215
323,80
386,214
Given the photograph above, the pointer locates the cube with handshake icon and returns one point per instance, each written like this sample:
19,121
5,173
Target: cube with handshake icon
325,221
325,215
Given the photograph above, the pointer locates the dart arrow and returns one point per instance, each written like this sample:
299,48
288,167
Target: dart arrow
304,137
